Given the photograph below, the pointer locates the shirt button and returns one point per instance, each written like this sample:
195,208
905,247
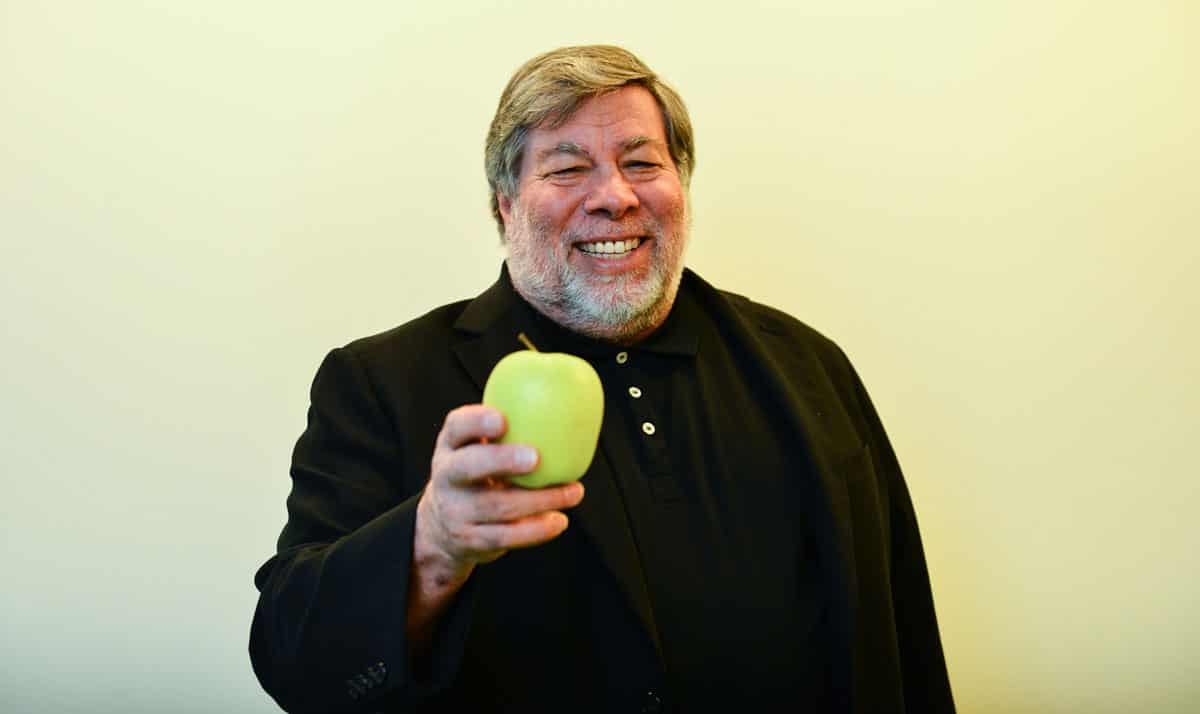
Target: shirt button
648,428
622,357
635,392
652,704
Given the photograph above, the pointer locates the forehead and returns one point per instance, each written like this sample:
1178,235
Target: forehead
606,121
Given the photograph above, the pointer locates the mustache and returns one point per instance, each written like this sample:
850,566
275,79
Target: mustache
649,228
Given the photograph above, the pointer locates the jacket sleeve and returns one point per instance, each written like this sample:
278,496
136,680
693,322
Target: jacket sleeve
328,630
926,681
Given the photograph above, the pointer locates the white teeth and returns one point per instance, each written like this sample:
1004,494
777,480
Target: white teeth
609,247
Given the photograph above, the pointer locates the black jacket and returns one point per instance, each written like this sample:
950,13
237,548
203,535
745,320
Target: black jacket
328,632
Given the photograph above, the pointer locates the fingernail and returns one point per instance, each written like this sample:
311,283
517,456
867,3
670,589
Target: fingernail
577,491
493,422
526,457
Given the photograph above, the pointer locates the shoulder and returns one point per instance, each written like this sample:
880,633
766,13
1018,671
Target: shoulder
782,343
432,327
771,325
774,321
405,349
800,354
781,331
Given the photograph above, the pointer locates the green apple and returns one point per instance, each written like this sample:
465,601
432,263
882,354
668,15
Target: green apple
553,402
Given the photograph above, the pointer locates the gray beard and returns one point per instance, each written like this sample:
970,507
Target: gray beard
616,307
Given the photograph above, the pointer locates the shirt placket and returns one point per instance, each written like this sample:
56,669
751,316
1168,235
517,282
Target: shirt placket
643,401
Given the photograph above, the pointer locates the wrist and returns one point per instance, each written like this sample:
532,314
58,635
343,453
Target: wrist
434,570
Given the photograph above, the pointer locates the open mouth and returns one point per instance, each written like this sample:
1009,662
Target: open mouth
610,248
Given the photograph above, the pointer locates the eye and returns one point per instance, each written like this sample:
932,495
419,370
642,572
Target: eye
641,165
569,171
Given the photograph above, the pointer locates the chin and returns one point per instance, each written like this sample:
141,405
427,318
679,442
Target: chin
610,312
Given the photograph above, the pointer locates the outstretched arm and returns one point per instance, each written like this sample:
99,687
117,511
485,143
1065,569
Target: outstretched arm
368,596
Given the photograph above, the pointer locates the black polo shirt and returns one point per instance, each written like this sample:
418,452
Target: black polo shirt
709,484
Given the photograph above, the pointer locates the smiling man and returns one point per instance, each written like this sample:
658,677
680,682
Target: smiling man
597,224
746,542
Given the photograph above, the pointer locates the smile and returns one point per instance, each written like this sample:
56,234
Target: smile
610,247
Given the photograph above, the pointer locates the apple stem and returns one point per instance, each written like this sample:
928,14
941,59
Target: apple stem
525,341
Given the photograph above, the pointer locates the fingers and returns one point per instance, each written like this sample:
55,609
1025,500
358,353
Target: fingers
465,539
474,464
469,424
462,460
468,511
528,531
511,504
466,508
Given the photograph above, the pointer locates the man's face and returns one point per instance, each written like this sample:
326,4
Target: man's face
597,232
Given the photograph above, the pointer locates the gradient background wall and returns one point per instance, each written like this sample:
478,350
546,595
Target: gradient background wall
994,207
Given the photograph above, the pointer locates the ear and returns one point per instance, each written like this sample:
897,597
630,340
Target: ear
504,204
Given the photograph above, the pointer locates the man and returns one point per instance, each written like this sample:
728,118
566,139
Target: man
746,542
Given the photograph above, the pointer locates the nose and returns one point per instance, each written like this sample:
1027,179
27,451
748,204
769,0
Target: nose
611,194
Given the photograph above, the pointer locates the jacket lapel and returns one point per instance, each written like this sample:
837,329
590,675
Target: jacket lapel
602,517
490,325
787,378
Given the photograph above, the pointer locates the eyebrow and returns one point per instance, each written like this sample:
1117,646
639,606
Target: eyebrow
564,147
570,147
634,142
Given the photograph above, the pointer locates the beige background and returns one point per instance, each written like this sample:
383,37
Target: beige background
992,206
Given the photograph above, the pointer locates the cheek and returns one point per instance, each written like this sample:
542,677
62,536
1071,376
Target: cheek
666,202
550,203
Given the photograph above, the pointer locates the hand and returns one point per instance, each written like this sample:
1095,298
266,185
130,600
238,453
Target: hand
468,513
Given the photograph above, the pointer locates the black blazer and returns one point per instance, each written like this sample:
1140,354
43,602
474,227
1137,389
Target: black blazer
328,632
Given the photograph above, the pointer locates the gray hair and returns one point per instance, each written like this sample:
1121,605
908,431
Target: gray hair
552,86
